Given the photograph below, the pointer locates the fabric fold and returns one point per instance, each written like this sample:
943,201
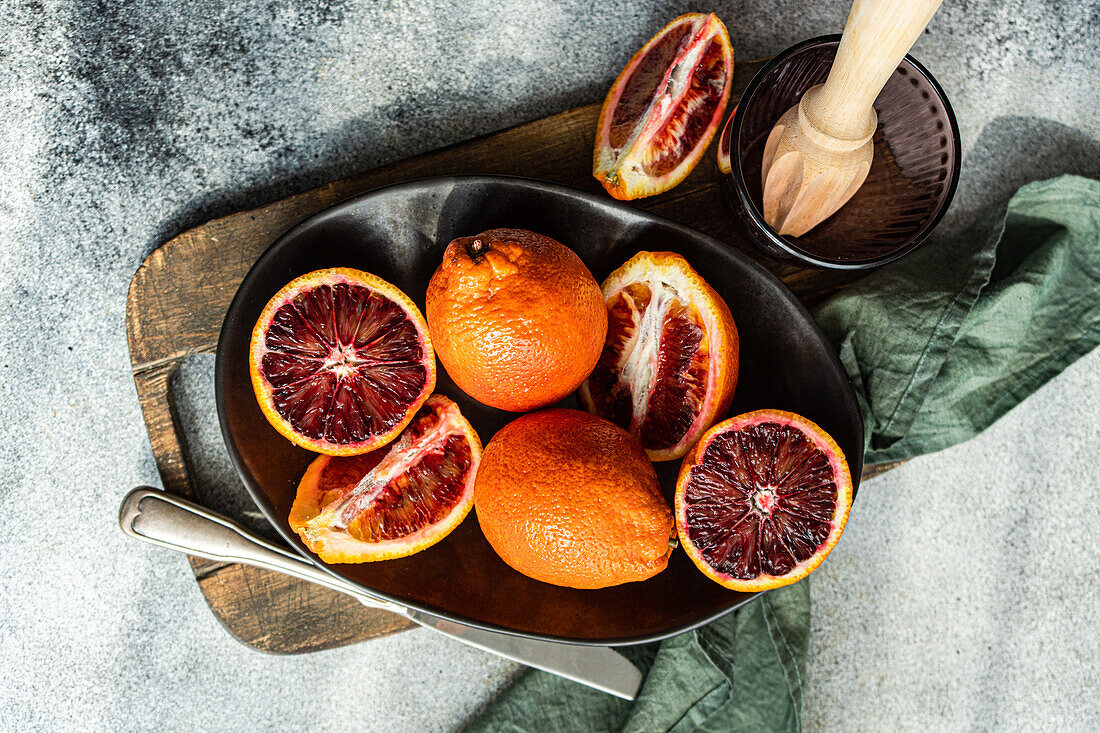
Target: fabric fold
938,346
944,342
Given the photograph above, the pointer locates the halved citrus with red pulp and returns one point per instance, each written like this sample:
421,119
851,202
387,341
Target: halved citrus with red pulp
394,501
664,108
340,361
669,364
762,499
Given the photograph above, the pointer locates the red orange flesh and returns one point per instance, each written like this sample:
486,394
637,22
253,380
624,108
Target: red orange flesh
340,361
669,364
762,500
394,501
664,108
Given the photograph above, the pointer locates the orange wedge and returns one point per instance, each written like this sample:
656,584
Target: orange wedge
669,364
394,501
664,108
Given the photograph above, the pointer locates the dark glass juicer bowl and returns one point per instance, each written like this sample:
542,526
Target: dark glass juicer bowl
908,189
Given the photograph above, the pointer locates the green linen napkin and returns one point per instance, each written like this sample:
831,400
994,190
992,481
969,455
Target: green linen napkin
950,338
938,346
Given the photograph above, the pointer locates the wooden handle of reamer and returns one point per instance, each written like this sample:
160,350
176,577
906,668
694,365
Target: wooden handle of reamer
876,38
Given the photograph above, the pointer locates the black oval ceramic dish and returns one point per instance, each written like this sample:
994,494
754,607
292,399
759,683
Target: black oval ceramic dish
399,233
912,178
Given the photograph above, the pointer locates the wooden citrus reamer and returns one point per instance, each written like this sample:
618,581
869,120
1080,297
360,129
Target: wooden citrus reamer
818,154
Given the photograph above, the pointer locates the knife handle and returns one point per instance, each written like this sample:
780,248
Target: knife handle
167,521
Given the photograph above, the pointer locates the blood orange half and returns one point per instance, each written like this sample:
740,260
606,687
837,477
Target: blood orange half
668,367
340,361
762,500
664,108
394,501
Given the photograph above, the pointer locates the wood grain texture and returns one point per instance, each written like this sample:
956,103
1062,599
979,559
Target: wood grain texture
179,296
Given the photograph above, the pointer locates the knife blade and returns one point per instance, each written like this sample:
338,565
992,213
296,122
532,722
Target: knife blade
168,521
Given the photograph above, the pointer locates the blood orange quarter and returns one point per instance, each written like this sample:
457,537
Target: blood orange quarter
669,363
664,108
394,501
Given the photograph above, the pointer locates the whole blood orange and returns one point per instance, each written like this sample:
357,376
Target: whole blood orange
394,501
669,367
516,318
570,499
340,361
664,108
762,500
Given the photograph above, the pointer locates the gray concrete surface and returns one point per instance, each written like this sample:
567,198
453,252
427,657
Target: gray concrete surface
964,595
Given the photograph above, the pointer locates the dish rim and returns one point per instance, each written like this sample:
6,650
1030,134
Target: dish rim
266,507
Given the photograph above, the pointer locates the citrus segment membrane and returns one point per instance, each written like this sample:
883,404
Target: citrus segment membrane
669,363
393,501
340,360
343,362
652,375
653,73
763,500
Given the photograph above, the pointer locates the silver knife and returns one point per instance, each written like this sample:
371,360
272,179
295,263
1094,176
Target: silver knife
162,519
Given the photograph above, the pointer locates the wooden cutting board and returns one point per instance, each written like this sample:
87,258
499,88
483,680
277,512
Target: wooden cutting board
179,295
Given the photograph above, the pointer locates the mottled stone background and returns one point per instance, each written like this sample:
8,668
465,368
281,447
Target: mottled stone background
965,592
